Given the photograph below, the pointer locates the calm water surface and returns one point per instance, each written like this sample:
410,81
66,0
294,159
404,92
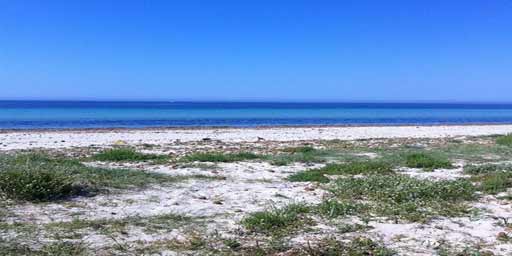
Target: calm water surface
67,114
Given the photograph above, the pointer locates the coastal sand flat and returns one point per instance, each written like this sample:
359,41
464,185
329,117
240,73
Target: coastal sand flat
249,186
82,138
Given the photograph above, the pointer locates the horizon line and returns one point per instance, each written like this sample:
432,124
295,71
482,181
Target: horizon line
263,101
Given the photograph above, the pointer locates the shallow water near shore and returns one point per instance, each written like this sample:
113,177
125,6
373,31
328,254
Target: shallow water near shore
80,114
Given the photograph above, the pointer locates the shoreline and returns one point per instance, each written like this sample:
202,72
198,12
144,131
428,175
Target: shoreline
16,140
262,127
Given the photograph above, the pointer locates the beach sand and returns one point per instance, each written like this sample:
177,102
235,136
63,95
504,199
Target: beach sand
243,187
98,137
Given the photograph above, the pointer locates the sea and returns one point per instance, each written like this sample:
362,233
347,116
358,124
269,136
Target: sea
121,114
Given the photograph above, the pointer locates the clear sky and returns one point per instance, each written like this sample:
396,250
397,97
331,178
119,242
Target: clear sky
289,50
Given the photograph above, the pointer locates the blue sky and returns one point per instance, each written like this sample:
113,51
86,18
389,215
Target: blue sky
286,50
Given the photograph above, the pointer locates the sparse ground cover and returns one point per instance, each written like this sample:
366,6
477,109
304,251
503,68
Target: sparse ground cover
127,154
216,157
352,168
427,161
505,140
261,198
38,177
403,197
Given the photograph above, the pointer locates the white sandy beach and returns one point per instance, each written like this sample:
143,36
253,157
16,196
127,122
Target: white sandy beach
248,186
82,138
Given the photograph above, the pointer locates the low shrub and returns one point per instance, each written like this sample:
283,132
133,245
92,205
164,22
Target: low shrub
220,157
504,140
358,246
486,168
276,219
351,168
34,184
406,197
37,177
126,154
333,208
428,161
495,182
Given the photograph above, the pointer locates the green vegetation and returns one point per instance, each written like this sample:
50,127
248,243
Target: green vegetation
359,246
505,140
220,157
476,152
52,249
447,251
277,220
485,168
492,178
304,154
301,150
332,208
426,160
358,167
311,176
37,177
351,168
37,184
165,222
405,197
495,182
126,154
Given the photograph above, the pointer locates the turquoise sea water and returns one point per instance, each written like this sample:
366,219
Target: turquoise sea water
62,114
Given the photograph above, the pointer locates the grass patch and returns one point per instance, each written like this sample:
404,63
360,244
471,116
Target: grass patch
352,168
404,197
308,176
152,224
505,140
304,154
486,168
126,154
52,249
277,220
359,246
427,161
37,177
492,178
359,167
495,182
334,208
301,150
217,157
475,152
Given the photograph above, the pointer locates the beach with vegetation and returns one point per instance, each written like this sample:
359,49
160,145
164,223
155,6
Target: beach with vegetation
366,190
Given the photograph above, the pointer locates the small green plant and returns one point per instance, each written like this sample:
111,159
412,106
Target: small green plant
333,208
495,182
348,228
304,154
232,244
275,220
63,249
505,140
301,150
351,168
405,197
51,249
358,167
34,184
220,157
359,246
309,176
36,177
126,154
486,168
428,161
